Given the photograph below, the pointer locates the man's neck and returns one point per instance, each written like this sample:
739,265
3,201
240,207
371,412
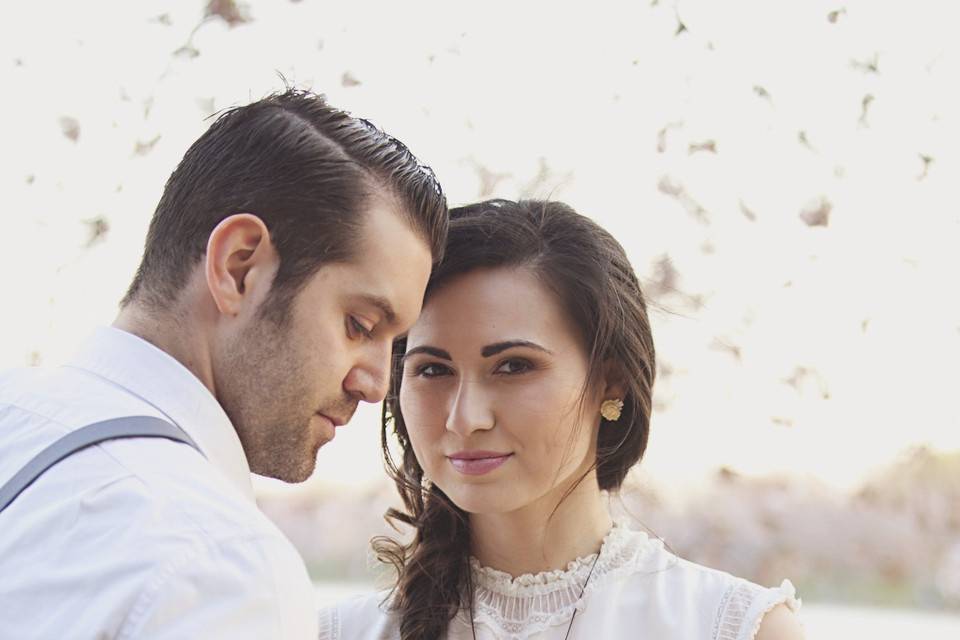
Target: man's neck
188,347
536,538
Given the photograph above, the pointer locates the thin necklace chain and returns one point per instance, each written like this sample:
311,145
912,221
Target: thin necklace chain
573,617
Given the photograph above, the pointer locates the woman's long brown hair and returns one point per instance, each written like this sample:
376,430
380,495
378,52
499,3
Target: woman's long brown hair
588,271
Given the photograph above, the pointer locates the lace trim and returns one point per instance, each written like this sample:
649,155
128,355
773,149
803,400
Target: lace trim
329,623
743,606
531,603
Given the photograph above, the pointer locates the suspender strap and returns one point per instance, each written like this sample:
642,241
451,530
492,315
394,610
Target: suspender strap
115,429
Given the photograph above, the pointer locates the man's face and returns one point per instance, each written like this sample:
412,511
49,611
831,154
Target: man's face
287,387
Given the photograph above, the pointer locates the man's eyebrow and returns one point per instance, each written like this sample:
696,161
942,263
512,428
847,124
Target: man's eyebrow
433,351
494,349
383,305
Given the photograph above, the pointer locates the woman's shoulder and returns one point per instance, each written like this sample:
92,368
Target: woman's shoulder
739,605
729,607
365,616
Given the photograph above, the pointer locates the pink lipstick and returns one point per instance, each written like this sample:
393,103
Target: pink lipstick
477,463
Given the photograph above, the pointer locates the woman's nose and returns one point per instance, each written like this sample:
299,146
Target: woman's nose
471,410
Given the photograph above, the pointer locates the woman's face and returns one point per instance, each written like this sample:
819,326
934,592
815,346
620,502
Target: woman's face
492,384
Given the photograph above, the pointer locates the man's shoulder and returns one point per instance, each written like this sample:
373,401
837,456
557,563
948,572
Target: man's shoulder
15,375
65,396
135,550
163,490
40,406
21,388
157,488
115,514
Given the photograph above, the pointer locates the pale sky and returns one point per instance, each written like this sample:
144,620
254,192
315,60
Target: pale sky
821,350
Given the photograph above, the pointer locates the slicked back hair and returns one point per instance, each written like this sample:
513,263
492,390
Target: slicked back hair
307,170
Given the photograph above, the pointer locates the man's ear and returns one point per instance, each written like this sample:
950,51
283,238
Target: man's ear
240,262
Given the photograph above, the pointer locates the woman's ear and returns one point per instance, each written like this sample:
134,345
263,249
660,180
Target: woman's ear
613,387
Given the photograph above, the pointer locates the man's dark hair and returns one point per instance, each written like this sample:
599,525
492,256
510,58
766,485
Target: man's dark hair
307,170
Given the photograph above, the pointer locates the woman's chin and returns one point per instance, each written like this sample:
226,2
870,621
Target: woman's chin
482,499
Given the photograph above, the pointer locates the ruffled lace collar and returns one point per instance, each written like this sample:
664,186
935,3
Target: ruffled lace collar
517,608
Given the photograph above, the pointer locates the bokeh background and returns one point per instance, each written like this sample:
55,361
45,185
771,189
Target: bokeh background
783,175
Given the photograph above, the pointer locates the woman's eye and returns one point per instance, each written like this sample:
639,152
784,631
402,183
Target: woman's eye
514,365
358,328
432,370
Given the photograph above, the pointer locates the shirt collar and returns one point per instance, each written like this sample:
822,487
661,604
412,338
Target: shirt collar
159,379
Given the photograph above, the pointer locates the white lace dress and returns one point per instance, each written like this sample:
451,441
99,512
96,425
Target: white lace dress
638,590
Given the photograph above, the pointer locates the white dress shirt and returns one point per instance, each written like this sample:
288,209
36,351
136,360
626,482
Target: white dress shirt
144,537
635,588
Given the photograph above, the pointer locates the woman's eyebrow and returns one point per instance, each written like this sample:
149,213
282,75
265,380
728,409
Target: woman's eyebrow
433,351
494,349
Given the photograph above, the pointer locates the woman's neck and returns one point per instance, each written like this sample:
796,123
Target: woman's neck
536,538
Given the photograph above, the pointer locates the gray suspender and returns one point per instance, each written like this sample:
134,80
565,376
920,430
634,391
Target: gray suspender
130,427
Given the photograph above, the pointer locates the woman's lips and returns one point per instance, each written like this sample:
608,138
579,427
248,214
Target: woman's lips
477,463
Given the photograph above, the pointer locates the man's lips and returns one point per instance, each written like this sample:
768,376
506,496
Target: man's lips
327,429
335,420
477,463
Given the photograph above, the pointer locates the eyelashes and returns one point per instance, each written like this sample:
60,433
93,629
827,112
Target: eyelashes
355,327
514,366
507,367
431,370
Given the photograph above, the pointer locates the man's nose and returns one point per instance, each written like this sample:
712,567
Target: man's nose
370,379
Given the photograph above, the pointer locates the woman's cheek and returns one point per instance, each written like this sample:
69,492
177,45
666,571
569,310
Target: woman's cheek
423,413
542,397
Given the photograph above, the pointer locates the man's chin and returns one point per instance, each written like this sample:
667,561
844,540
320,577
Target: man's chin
290,476
284,471
302,476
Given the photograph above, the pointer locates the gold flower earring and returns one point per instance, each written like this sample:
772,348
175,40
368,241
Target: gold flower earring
611,409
